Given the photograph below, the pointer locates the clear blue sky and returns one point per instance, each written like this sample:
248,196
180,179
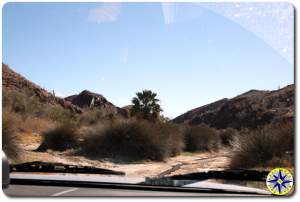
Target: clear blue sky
190,54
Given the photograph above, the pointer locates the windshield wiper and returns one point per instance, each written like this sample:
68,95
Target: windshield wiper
233,174
38,166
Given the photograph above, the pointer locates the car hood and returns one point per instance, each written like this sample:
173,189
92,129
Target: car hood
228,187
205,184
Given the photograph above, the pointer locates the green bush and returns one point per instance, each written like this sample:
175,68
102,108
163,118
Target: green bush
200,138
263,147
60,138
134,141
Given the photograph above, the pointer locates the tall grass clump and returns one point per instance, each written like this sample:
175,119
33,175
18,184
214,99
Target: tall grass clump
60,138
201,138
129,141
263,147
9,134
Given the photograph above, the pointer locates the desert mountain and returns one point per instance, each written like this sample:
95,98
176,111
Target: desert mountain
90,100
251,109
12,81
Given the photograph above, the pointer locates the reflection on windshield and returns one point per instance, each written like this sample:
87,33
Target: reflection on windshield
184,94
180,183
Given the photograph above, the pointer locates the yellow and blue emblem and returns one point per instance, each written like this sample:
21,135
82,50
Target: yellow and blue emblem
279,181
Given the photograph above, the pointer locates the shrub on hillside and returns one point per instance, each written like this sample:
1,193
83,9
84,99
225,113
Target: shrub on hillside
21,103
263,147
34,125
35,116
92,117
29,105
60,138
9,133
134,141
227,136
57,113
200,138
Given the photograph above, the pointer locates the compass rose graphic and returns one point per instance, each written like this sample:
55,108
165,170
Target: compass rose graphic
279,181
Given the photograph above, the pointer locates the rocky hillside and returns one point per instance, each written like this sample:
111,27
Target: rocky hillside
90,100
251,109
12,81
86,100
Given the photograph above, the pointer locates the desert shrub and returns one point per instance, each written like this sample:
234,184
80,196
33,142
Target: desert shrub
227,136
35,125
172,136
57,113
30,106
9,133
60,138
200,138
164,119
14,101
21,103
263,147
91,117
134,141
32,114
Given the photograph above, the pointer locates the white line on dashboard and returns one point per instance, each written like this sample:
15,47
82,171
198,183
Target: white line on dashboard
64,192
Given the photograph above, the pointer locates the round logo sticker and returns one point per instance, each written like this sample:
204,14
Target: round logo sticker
279,181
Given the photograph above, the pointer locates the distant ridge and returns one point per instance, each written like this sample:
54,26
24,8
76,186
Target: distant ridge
250,110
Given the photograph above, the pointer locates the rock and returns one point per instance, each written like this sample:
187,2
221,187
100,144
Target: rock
89,100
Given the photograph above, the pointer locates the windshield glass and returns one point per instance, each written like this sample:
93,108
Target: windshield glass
168,94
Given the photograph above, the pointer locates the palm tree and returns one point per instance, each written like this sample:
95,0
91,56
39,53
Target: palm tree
145,105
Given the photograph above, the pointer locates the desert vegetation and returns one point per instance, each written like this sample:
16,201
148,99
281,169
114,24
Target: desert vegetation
9,132
24,114
29,106
269,146
133,141
145,135
227,136
145,106
60,138
200,138
91,117
140,137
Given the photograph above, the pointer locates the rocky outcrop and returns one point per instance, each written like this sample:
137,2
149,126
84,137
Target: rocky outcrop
89,100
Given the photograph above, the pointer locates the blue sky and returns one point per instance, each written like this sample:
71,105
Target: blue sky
191,54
